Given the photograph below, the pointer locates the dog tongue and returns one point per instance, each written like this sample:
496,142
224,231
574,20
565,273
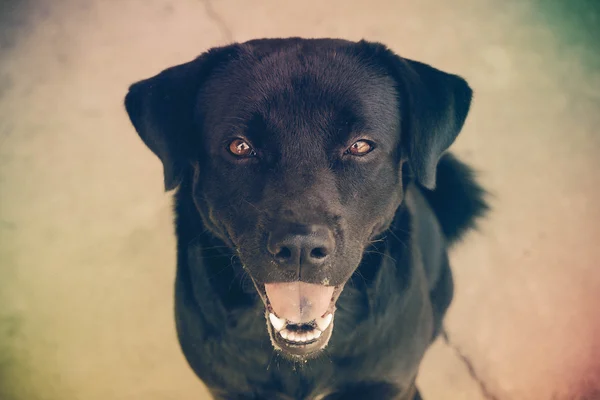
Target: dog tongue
299,302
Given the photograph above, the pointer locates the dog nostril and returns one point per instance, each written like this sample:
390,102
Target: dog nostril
284,254
319,252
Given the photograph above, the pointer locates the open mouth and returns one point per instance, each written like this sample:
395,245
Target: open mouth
299,315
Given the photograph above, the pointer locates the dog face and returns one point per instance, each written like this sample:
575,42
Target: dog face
297,148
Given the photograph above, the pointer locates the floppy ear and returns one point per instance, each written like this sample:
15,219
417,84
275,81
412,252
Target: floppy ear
162,110
434,106
435,111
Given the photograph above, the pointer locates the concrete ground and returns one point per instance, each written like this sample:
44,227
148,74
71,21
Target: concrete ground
86,243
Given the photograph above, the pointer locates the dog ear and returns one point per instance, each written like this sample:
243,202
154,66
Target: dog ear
162,109
434,106
437,106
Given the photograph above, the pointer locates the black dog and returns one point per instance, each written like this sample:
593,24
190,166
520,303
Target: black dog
307,195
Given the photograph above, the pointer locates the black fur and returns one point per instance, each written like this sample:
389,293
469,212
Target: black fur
392,213
458,200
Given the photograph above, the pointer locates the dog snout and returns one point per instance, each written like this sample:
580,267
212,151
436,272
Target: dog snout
306,245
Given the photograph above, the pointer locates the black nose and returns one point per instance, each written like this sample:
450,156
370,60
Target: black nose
301,246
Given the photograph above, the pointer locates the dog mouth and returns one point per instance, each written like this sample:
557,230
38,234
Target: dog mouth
299,316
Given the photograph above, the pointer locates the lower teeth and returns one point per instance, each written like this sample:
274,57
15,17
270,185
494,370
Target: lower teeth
295,336
300,333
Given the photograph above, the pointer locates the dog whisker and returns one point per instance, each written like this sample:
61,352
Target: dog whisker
381,254
398,239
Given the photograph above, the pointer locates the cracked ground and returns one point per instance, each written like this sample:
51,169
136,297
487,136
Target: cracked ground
86,243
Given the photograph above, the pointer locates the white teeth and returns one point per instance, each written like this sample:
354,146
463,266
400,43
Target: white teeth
300,337
323,322
278,323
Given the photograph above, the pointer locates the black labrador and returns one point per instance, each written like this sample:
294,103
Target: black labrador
314,210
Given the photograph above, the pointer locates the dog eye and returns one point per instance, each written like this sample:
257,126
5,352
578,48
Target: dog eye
241,148
360,148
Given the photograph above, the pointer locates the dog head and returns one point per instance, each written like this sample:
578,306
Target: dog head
297,149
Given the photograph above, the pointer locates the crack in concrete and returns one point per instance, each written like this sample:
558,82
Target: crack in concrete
470,368
218,20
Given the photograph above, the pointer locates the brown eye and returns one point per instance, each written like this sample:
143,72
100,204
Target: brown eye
241,148
360,148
